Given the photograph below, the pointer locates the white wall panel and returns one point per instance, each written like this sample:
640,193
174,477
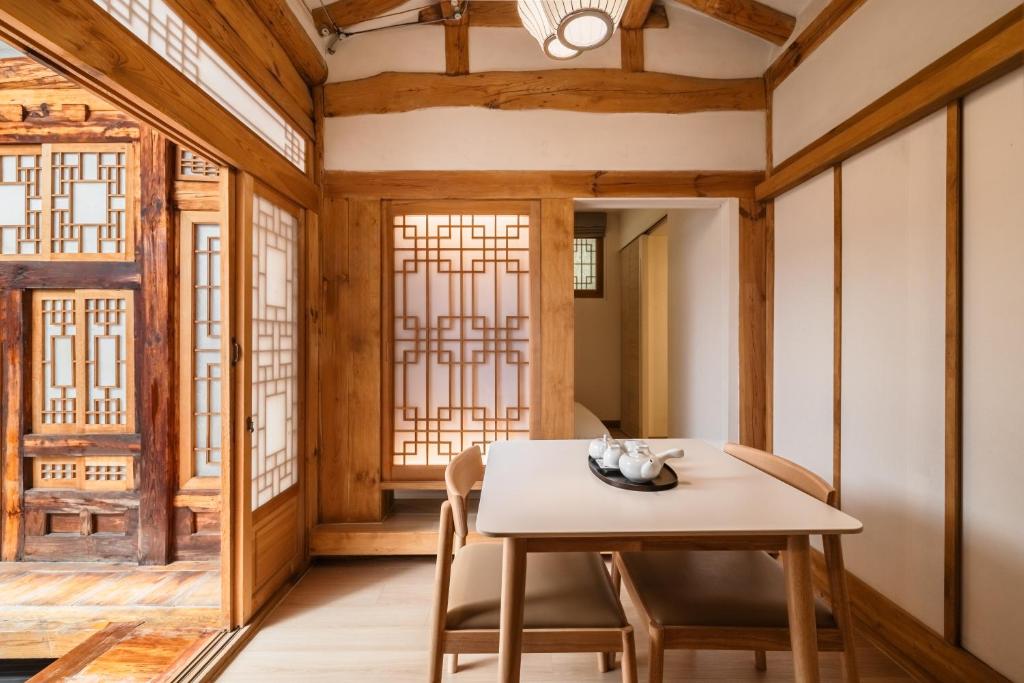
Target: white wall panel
490,139
804,324
993,560
893,365
884,43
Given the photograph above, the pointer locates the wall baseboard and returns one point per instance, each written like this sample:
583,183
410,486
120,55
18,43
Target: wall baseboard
919,650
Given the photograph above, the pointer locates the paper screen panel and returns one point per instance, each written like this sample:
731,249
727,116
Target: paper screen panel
275,234
21,202
109,343
159,27
585,263
461,333
55,361
89,201
206,350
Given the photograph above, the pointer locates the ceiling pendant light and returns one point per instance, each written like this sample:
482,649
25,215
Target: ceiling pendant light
565,28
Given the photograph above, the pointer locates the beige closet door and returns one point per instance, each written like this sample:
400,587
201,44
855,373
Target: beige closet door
645,336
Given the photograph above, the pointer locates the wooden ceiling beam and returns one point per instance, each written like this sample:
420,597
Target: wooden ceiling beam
344,13
503,14
828,20
748,15
302,50
586,90
636,13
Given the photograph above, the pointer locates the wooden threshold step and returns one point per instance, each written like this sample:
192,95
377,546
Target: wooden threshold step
410,529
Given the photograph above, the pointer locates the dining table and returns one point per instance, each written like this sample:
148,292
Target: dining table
540,496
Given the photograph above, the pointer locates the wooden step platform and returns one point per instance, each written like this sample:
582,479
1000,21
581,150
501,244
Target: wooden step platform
129,652
410,529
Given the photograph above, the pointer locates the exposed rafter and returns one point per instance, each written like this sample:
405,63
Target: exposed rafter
748,15
585,90
636,13
306,55
348,12
503,14
828,20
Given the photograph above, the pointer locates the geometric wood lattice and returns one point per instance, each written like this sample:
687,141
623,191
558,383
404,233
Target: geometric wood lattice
587,278
21,200
461,333
191,166
89,473
202,345
82,361
275,234
67,202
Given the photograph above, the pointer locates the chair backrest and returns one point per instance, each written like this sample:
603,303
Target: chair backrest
464,470
785,470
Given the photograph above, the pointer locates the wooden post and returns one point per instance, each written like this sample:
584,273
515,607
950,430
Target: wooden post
155,357
753,323
12,372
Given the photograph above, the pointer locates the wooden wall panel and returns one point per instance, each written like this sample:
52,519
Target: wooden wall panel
13,410
276,547
350,354
553,386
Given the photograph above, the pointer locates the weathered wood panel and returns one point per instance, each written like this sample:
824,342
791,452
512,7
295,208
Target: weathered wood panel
753,335
14,409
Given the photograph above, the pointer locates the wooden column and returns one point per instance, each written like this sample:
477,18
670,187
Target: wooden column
350,355
553,379
753,323
155,357
837,332
14,395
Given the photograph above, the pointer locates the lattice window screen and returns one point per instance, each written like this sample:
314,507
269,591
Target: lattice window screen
275,234
461,333
21,200
67,202
83,370
201,250
191,166
158,26
586,274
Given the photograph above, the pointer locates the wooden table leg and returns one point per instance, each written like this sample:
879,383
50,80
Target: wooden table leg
513,594
803,632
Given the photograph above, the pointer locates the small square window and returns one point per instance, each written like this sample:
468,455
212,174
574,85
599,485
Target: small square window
588,267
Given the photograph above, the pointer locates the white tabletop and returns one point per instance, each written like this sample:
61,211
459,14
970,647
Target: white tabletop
545,488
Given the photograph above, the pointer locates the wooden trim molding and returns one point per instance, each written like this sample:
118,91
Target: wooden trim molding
751,16
952,590
90,47
539,184
994,51
753,335
920,651
824,25
15,397
837,332
606,91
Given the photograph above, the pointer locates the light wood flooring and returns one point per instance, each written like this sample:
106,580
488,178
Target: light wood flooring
367,620
50,607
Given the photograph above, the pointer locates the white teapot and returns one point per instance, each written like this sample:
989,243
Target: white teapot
598,445
642,465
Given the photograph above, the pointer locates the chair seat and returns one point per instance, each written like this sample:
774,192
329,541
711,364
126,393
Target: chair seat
563,590
714,588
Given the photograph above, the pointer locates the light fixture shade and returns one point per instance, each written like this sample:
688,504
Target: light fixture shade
564,28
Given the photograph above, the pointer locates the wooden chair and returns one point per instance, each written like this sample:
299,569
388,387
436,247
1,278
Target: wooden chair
734,599
571,603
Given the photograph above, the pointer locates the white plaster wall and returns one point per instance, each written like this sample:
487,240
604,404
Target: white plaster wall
804,324
703,313
475,138
893,365
993,206
598,337
634,222
694,44
408,48
882,44
513,49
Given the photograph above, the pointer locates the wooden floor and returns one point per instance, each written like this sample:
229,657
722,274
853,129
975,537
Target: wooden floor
366,620
48,607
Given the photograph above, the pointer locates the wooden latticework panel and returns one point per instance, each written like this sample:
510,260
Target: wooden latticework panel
586,266
89,200
90,473
21,201
461,333
191,166
82,360
202,345
275,234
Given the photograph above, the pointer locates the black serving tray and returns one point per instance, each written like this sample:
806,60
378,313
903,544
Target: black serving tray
668,479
